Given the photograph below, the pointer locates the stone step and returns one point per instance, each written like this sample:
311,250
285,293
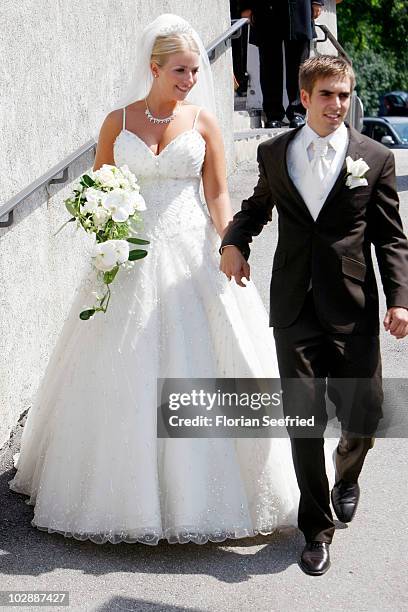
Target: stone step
241,120
246,141
248,132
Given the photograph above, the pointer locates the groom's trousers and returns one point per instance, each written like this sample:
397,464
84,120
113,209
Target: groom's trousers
312,362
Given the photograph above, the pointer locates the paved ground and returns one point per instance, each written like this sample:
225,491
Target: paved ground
368,556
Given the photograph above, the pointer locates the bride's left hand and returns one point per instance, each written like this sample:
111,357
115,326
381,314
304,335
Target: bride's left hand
234,264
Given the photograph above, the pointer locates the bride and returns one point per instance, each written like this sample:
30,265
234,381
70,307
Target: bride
90,459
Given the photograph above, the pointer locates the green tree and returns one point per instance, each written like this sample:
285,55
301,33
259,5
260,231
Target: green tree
374,33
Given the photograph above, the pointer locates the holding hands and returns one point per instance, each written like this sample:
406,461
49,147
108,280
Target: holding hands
234,264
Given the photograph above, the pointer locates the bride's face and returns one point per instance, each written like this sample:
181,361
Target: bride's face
178,75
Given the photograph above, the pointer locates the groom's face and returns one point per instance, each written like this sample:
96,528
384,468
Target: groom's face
328,104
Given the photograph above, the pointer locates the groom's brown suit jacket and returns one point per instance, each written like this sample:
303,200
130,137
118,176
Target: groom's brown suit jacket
335,250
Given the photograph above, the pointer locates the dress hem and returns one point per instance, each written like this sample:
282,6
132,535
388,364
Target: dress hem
183,536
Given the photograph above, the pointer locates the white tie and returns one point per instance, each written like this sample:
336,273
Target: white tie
320,163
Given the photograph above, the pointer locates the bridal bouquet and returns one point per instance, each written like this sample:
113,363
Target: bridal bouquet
107,203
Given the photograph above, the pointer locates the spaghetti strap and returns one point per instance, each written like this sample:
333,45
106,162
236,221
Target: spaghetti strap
124,118
196,117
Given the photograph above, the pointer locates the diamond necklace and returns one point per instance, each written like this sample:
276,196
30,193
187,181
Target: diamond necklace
155,119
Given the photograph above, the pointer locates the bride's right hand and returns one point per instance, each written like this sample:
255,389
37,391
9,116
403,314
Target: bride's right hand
234,264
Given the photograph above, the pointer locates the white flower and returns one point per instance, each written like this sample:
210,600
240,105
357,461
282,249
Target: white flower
94,198
78,187
100,217
121,250
124,184
130,177
118,204
104,256
136,201
355,172
107,176
109,254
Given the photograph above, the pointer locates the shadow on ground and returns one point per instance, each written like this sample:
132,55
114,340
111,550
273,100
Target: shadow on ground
27,551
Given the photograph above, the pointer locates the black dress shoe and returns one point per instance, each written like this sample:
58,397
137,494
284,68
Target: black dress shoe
315,559
269,123
297,121
345,496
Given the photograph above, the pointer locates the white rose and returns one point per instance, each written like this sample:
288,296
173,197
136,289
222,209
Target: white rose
124,184
356,168
117,203
100,217
106,176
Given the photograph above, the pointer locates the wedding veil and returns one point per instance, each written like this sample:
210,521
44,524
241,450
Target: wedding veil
202,94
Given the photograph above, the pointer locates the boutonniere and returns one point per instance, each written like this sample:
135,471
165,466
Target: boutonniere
355,172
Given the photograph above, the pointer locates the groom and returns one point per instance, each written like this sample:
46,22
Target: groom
324,300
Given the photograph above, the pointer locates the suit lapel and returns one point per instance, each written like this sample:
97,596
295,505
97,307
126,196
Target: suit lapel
284,172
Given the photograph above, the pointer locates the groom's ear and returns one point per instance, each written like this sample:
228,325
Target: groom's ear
305,98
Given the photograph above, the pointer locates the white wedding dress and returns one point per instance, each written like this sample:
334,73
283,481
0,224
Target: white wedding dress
90,459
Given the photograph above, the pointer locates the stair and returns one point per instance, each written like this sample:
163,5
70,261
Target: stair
246,137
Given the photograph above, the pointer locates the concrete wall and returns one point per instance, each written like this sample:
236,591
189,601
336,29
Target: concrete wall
327,18
62,62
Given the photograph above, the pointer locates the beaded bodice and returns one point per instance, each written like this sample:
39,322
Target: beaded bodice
169,181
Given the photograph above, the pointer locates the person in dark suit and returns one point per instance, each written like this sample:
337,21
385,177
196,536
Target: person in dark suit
334,190
239,52
275,21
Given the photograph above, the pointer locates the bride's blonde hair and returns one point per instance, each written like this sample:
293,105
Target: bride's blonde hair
167,44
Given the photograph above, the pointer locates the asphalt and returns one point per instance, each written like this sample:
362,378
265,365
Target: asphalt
369,555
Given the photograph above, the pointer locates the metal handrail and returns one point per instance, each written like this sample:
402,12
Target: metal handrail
221,44
44,179
329,36
214,51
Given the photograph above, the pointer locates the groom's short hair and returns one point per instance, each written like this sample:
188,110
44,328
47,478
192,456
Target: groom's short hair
323,66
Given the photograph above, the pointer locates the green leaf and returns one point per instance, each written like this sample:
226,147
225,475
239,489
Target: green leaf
138,241
69,205
137,254
87,181
109,276
87,314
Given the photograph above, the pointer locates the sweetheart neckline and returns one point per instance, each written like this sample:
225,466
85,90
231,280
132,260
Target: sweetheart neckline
156,155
